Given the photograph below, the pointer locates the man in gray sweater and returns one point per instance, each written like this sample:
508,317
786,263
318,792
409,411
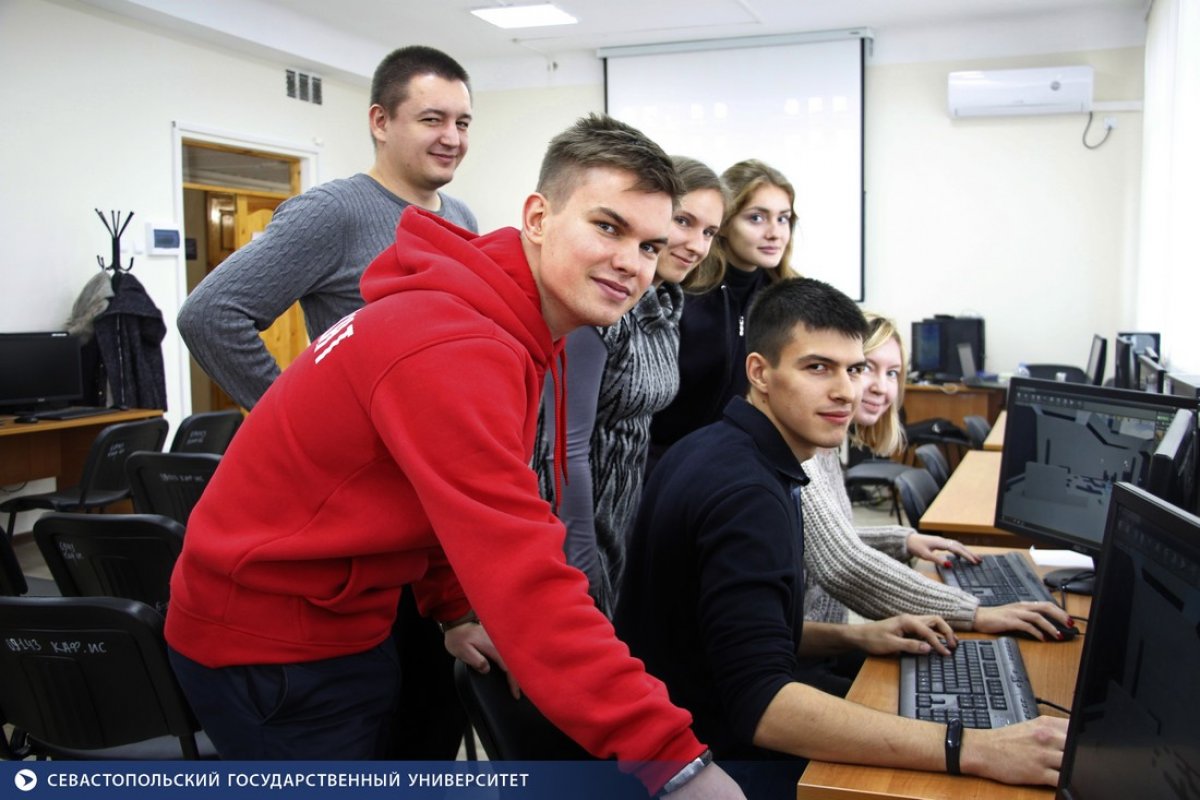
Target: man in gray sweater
315,250
318,244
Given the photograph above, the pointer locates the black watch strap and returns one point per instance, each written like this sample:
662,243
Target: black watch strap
954,737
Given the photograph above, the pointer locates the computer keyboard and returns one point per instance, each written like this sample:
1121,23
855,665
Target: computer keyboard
983,682
72,412
997,579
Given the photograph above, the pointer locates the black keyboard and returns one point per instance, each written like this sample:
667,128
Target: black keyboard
997,579
983,682
72,412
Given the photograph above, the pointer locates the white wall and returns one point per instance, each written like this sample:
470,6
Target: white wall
89,100
1011,218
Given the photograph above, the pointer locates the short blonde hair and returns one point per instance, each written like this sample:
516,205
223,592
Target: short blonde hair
742,180
886,437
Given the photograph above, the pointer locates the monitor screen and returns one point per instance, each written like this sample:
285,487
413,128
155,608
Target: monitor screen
1173,465
1065,445
1096,358
967,359
1133,720
927,347
1124,362
1143,341
39,369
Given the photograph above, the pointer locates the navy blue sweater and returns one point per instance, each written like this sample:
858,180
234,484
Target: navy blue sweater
712,599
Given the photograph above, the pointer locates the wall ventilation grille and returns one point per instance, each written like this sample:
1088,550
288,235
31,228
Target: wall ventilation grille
303,86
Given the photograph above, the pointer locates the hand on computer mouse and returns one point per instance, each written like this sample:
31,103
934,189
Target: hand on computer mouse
1041,621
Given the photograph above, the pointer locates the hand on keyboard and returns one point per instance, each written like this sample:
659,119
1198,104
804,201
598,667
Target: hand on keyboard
928,547
906,633
1032,619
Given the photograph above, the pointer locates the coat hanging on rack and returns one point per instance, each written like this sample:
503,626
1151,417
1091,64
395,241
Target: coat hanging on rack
130,331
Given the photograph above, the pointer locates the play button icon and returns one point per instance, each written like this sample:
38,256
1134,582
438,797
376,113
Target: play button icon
25,780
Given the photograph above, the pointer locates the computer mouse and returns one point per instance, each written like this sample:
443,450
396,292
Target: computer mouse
25,419
1068,632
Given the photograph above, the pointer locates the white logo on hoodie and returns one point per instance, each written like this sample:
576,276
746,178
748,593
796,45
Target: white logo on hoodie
330,339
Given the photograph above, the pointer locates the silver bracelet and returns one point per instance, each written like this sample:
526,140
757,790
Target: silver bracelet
687,773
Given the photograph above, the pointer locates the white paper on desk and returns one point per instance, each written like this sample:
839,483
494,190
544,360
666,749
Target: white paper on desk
1061,558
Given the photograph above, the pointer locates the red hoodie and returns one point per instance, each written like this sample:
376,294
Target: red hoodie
395,447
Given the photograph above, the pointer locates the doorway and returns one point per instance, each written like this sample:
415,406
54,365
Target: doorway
229,196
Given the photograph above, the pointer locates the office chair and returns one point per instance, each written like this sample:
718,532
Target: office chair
111,555
88,678
13,580
169,483
510,730
934,460
209,432
103,481
879,473
978,429
917,489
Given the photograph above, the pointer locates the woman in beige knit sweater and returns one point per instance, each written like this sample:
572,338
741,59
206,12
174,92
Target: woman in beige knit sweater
865,569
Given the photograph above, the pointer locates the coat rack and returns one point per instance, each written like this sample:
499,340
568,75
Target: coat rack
115,228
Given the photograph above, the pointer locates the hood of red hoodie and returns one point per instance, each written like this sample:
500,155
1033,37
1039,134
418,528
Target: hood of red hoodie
490,272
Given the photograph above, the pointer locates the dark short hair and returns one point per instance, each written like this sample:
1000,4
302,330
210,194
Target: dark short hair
598,140
389,86
779,307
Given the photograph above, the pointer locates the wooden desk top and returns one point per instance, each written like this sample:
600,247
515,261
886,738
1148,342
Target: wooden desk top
1052,668
9,426
995,437
967,503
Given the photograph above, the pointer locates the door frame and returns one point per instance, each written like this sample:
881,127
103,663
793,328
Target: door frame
309,158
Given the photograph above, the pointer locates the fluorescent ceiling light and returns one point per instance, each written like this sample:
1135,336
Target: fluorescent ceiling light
525,16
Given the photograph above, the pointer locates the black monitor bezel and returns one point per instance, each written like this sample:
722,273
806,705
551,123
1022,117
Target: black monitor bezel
1097,357
19,402
1160,514
1124,362
1060,539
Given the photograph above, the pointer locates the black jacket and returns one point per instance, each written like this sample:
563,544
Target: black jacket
130,334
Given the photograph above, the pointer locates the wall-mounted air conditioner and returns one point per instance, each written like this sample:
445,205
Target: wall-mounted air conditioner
1048,90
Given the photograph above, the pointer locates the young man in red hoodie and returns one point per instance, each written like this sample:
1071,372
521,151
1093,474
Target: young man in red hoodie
395,451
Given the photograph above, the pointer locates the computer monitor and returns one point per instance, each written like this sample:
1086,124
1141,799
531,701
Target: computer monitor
927,347
1182,385
1143,341
39,370
1124,362
935,346
966,359
1173,465
1133,720
1150,373
1065,445
1096,359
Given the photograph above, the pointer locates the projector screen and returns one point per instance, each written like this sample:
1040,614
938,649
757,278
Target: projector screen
796,106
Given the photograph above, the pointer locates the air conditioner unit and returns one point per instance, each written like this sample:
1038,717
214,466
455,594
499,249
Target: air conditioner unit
1048,90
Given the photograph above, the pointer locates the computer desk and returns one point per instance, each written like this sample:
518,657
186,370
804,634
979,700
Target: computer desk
995,437
1052,668
54,448
965,508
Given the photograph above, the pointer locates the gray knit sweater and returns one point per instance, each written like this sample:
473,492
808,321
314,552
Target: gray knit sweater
314,250
859,568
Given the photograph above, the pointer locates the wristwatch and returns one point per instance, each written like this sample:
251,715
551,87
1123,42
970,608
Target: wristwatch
954,737
691,770
463,620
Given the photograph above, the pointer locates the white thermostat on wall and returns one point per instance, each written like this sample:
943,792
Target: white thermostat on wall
163,239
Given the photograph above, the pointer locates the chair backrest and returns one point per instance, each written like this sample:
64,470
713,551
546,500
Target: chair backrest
978,429
111,555
104,469
934,460
12,577
85,673
917,489
510,730
169,483
208,432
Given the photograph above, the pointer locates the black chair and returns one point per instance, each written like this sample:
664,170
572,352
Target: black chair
88,678
169,483
103,481
208,432
934,460
510,730
917,488
978,429
876,473
111,555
